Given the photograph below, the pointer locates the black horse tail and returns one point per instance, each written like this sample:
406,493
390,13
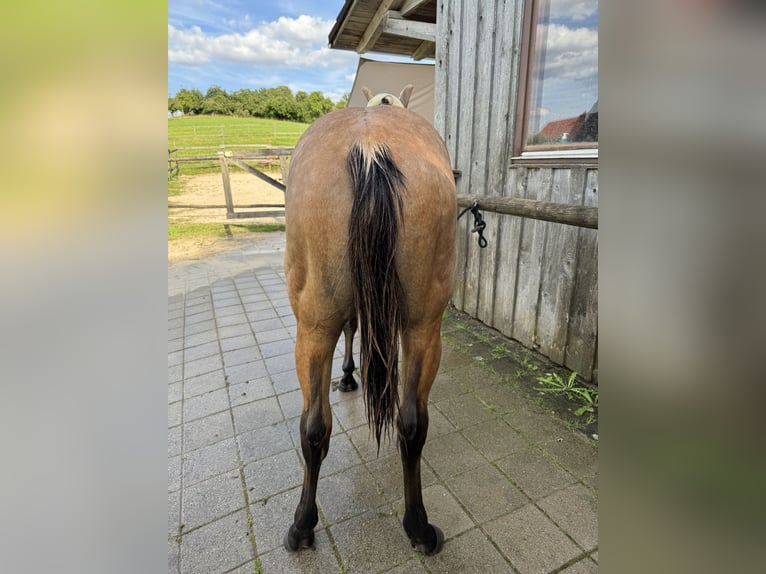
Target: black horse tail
377,186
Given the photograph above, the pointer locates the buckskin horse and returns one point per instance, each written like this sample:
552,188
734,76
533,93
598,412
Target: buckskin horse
370,211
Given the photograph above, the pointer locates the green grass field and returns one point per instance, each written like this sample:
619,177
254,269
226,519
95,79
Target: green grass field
208,133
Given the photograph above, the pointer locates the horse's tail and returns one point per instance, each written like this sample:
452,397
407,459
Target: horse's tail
377,186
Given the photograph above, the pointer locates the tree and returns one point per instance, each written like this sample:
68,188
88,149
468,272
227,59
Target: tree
173,105
343,101
217,102
189,101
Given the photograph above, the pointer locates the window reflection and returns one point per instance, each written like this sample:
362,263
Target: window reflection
563,106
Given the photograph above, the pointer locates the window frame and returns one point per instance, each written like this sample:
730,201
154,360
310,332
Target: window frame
575,153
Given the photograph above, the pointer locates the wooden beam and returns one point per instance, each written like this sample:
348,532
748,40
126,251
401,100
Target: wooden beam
423,50
395,24
374,28
578,215
411,6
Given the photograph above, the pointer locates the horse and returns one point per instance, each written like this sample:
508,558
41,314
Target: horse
370,213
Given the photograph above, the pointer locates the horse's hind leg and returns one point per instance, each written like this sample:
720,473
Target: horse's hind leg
422,352
313,361
348,382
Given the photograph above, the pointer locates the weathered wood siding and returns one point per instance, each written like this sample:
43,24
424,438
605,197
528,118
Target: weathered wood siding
536,281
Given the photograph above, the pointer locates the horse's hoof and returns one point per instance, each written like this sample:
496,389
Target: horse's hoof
347,384
437,546
294,541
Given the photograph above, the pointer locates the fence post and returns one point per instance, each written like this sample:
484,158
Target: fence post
223,155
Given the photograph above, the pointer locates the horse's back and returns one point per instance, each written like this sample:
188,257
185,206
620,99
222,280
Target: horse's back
319,198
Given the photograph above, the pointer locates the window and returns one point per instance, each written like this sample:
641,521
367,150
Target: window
558,98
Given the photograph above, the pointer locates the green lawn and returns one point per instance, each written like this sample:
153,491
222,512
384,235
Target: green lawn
188,230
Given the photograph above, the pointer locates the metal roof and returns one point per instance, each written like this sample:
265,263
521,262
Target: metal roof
402,27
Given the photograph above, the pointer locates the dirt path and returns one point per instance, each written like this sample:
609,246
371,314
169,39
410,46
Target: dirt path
207,189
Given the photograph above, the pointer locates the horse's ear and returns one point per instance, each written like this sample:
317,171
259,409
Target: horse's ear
405,94
367,93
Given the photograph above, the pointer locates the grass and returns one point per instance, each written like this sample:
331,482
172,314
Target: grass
212,132
586,398
180,230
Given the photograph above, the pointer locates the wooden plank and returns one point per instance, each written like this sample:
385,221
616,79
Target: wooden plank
577,215
426,47
509,239
398,26
482,262
374,28
558,271
226,185
465,72
583,313
260,175
411,6
530,263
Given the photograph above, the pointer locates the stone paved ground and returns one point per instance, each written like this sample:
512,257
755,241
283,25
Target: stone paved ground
512,487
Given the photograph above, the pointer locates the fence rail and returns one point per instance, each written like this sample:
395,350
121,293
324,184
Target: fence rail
577,215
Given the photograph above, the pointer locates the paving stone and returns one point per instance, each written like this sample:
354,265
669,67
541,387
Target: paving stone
348,493
445,387
264,442
286,381
174,551
280,363
199,314
486,493
388,475
174,512
267,325
235,308
373,538
175,358
536,475
574,452
204,383
438,424
538,428
174,392
241,356
319,561
174,440
201,351
234,330
238,342
289,321
584,566
175,374
276,348
412,566
274,474
367,446
451,454
273,335
207,430
209,461
175,345
291,403
257,414
202,366
272,517
340,456
575,510
350,413
249,391
443,511
469,552
200,334
203,405
231,320
495,439
202,550
246,372
174,414
258,303
174,473
464,411
262,314
212,498
531,542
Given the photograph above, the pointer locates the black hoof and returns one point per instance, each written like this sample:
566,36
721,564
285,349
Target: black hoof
295,541
348,383
435,545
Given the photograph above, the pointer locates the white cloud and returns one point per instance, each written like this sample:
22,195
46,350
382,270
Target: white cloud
575,9
570,53
287,42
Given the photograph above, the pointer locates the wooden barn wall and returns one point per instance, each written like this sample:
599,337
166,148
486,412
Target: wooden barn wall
536,281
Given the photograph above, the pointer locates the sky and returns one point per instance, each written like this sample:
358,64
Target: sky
253,44
267,43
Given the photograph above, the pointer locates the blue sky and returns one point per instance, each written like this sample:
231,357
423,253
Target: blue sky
256,44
